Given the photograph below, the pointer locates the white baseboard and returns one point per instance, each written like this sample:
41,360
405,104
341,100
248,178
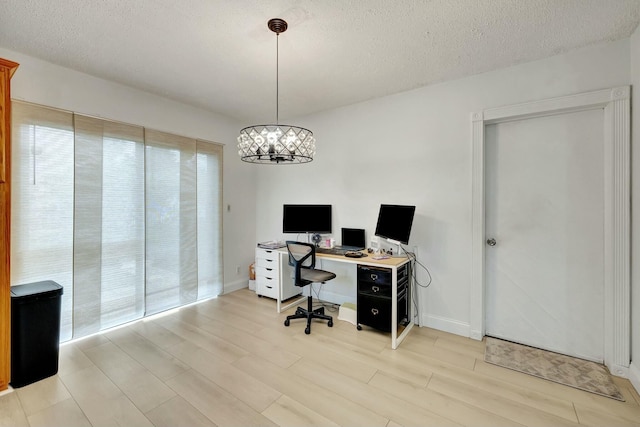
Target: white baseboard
634,376
235,286
447,325
476,335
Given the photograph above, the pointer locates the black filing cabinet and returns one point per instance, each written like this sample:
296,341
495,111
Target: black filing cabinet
374,296
35,331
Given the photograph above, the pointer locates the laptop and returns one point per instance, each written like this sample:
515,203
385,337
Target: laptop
352,240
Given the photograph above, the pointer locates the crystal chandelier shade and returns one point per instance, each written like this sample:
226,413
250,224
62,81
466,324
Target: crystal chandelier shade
276,143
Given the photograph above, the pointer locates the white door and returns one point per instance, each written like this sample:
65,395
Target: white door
544,198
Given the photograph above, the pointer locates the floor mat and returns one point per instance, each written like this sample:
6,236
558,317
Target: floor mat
577,373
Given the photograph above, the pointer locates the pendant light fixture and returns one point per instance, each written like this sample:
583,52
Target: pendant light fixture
276,143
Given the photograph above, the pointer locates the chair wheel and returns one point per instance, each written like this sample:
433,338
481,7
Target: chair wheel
307,330
286,322
359,327
330,324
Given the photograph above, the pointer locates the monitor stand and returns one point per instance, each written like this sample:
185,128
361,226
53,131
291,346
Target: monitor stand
397,251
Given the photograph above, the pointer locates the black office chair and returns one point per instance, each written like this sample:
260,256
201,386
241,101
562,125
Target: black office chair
302,256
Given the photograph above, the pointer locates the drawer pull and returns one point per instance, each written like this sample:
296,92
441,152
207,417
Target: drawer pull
374,277
270,287
374,311
269,269
375,289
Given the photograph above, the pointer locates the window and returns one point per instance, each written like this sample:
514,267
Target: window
127,220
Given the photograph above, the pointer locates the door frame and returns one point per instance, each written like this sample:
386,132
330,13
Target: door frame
615,102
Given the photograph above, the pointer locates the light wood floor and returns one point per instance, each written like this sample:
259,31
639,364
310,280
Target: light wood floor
231,362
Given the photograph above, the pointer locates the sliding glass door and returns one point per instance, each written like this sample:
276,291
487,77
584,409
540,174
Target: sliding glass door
128,220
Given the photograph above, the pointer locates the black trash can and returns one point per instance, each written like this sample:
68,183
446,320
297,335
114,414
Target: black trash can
35,331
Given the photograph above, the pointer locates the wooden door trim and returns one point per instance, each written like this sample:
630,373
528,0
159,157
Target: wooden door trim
7,68
617,201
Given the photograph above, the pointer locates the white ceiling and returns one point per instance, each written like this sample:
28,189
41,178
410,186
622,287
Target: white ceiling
220,55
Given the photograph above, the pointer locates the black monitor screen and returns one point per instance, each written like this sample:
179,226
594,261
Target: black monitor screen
306,219
394,222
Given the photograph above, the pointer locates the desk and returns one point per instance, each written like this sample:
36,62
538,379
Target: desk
390,263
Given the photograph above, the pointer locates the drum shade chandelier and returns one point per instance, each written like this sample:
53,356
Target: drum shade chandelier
276,143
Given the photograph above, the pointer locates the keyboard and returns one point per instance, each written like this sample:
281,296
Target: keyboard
331,251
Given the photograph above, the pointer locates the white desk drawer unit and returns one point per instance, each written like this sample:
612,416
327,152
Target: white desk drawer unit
267,273
274,276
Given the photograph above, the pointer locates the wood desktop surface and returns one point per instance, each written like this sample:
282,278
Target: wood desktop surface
368,259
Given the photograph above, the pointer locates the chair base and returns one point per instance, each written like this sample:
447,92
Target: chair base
309,313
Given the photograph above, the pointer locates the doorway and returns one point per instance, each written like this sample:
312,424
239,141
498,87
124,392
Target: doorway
544,219
615,104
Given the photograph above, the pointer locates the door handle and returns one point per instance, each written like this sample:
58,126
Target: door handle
491,242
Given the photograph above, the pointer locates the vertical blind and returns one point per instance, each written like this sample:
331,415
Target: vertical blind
42,174
108,231
127,220
172,264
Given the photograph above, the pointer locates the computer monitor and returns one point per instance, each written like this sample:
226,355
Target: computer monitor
306,219
354,237
394,223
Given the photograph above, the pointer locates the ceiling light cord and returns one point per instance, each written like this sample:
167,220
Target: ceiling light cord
277,79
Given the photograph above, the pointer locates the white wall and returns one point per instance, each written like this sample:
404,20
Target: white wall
415,148
411,148
634,374
47,84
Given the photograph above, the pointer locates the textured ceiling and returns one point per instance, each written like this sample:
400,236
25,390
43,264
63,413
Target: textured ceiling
220,55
